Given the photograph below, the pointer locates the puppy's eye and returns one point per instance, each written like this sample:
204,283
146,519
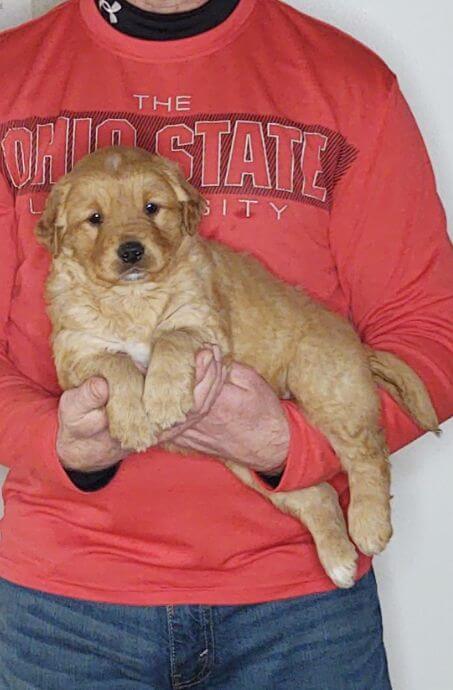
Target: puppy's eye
151,208
95,219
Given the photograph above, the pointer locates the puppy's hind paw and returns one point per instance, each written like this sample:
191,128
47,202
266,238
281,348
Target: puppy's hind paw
370,525
340,564
343,576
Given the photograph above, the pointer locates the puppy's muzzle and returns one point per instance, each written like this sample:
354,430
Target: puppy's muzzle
131,252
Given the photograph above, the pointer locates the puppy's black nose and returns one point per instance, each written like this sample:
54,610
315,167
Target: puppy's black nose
131,252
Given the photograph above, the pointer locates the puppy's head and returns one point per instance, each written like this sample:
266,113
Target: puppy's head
122,213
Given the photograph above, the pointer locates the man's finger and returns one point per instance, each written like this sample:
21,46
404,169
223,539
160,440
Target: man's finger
91,395
214,391
92,423
78,403
203,388
202,362
244,377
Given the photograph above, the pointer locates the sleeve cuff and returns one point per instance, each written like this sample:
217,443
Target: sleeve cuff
311,459
41,436
39,439
92,481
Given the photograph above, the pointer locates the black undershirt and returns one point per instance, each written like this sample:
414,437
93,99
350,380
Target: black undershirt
92,481
154,26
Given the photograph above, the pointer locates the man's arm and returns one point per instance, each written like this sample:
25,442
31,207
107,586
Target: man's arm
33,423
395,267
28,414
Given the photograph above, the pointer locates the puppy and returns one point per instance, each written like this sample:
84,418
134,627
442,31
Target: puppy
133,283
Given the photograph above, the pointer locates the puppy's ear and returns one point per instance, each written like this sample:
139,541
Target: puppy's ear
52,226
191,201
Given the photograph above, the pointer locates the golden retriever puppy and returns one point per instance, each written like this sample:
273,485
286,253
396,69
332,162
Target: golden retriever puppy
133,283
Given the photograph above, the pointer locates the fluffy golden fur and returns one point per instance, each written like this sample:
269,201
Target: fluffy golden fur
186,291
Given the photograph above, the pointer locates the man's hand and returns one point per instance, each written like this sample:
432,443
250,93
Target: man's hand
84,442
244,421
238,417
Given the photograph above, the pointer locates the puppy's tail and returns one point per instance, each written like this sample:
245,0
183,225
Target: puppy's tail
405,386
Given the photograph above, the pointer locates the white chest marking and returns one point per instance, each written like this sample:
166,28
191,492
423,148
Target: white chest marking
139,352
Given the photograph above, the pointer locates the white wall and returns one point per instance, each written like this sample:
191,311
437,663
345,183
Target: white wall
13,12
416,572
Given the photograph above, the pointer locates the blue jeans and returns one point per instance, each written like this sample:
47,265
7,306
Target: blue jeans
330,641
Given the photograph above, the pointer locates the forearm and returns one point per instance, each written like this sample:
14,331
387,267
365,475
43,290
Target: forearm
29,429
28,420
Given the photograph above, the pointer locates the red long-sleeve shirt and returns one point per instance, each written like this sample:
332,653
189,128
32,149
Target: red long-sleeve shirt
302,143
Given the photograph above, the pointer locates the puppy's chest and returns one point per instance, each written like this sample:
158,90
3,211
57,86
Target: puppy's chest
132,328
112,323
132,340
139,352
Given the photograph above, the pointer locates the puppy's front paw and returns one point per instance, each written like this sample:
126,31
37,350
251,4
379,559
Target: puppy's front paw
167,400
130,425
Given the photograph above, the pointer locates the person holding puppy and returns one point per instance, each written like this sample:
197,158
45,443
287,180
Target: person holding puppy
161,570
